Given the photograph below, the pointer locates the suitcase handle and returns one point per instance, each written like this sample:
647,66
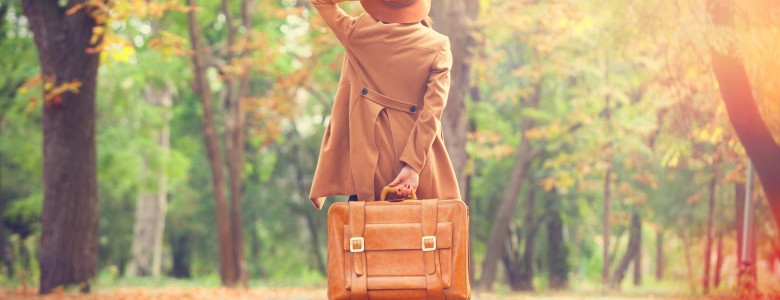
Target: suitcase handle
393,189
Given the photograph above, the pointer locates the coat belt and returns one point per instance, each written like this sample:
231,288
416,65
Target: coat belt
388,102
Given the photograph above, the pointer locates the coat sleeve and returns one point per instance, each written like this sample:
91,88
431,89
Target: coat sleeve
339,22
428,123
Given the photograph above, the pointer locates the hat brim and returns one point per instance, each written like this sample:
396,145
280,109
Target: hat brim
412,13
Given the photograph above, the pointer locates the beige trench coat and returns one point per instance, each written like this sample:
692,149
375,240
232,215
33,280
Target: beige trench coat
387,112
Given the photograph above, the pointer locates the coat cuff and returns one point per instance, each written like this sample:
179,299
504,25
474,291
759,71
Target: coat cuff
413,163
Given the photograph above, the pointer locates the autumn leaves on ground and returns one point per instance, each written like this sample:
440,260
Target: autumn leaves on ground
165,148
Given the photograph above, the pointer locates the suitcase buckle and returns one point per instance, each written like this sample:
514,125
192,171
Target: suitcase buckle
429,239
357,244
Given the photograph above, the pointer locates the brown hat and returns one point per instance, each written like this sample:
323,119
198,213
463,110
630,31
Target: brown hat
397,11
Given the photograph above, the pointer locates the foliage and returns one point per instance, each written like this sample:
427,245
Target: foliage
622,85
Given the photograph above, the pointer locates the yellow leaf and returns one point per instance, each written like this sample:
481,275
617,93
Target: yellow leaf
548,184
535,133
123,54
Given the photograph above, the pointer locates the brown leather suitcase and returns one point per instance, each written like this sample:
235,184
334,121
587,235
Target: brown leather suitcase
412,249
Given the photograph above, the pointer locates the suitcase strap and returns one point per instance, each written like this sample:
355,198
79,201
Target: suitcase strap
430,252
357,222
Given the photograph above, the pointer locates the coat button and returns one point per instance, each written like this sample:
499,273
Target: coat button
364,91
413,108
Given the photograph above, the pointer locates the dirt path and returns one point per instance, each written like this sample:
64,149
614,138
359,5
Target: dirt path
197,293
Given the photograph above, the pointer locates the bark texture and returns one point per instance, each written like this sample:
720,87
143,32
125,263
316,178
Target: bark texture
68,249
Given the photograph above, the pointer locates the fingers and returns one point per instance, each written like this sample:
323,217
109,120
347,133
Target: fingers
404,190
400,190
396,181
405,182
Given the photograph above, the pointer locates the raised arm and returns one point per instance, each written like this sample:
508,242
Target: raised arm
428,123
339,22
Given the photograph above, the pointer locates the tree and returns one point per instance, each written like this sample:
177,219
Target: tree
710,235
558,252
68,251
500,227
737,94
632,252
520,265
454,19
228,265
149,229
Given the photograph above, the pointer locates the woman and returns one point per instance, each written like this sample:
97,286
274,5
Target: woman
385,126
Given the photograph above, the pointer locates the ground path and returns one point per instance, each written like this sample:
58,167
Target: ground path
204,293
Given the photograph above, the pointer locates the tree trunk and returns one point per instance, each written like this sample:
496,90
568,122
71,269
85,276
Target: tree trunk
634,242
228,270
234,144
527,272
500,228
739,201
69,229
556,246
659,255
471,234
638,258
616,244
606,230
520,267
475,97
743,112
453,18
6,251
149,228
740,226
180,246
709,236
718,261
511,257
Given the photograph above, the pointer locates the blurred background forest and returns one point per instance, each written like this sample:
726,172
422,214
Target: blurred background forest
592,141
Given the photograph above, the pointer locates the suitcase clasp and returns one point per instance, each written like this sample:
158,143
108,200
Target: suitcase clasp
357,244
428,239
